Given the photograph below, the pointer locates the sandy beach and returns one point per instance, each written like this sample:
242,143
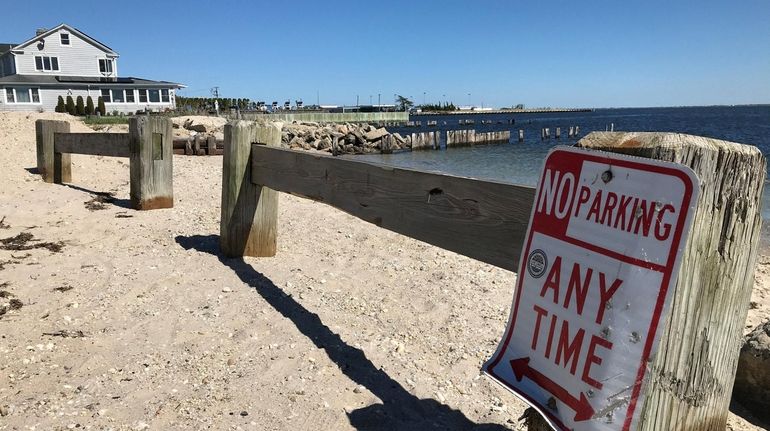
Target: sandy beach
130,320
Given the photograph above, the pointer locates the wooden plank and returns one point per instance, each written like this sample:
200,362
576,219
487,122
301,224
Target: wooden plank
248,224
151,167
691,377
52,168
94,144
485,220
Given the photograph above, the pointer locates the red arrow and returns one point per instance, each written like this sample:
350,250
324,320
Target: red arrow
581,406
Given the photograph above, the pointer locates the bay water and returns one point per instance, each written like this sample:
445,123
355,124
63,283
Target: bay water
520,163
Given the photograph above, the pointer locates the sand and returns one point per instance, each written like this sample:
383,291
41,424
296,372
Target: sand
138,324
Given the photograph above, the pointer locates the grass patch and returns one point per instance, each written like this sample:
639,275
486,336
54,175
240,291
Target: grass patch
105,120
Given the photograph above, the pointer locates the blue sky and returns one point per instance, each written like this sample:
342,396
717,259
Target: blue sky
540,53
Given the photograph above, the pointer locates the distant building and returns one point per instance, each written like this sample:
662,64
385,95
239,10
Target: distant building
64,61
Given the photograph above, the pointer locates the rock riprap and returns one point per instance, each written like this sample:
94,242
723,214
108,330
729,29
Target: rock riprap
350,138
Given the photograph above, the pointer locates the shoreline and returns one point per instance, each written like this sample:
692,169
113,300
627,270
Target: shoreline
505,111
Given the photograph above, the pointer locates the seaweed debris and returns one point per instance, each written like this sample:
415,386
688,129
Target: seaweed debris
27,241
98,201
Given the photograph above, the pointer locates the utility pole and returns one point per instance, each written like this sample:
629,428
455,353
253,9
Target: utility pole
215,92
379,104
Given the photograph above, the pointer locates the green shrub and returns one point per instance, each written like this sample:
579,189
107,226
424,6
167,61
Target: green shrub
101,109
70,106
60,105
89,106
80,108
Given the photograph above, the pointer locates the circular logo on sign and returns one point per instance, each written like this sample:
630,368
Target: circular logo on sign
537,264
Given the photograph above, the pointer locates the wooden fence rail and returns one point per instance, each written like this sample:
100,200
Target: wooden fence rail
148,146
692,374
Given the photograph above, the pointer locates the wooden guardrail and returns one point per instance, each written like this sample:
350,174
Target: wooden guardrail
147,145
690,378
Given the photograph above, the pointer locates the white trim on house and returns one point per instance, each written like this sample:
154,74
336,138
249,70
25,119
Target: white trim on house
49,96
107,62
61,39
31,91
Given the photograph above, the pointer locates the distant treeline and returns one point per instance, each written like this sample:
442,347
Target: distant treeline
207,103
449,106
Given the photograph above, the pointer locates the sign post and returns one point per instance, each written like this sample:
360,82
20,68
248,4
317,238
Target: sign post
598,267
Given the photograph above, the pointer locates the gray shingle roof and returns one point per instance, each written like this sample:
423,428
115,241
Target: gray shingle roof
68,81
5,47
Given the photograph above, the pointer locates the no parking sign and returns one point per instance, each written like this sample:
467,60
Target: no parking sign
598,267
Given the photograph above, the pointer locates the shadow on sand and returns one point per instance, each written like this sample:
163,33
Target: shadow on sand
400,409
98,197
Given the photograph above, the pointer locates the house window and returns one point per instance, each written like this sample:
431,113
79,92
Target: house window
164,95
105,66
65,38
142,96
45,63
117,96
154,96
22,95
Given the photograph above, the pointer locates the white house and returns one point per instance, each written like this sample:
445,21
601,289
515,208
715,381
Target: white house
64,61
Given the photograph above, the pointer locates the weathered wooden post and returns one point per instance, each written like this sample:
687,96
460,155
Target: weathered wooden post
249,211
188,146
151,162
558,132
211,146
521,135
690,380
197,145
53,167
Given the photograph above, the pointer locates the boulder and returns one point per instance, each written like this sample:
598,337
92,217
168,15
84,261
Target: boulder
324,144
360,139
752,379
296,142
376,134
400,139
